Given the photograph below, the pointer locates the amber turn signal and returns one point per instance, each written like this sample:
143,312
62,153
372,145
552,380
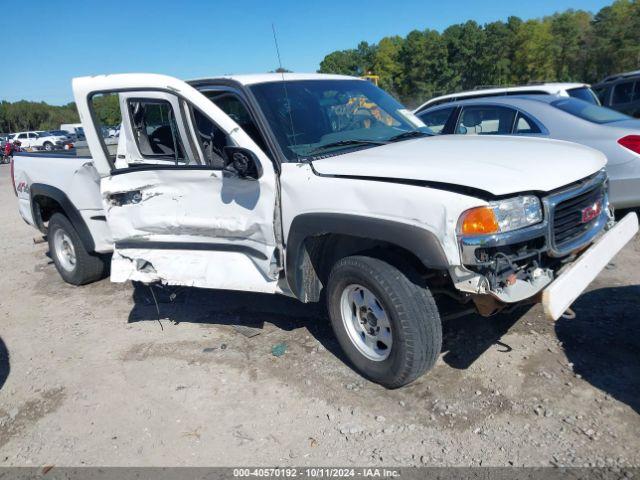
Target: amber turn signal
478,221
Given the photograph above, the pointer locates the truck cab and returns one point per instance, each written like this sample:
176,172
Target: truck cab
325,188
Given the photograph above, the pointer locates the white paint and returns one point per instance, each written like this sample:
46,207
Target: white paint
549,88
499,165
436,211
559,296
252,79
223,270
205,207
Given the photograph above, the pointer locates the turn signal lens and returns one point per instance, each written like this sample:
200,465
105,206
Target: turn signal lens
479,221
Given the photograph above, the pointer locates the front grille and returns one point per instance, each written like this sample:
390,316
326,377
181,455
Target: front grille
567,216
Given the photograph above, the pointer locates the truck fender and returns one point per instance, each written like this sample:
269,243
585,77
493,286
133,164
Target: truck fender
419,241
68,208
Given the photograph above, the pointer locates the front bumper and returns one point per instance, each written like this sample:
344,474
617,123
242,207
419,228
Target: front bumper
575,278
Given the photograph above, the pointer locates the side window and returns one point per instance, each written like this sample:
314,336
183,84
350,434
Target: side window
146,129
210,138
230,104
155,129
33,135
524,125
622,93
603,94
22,135
486,120
436,120
636,93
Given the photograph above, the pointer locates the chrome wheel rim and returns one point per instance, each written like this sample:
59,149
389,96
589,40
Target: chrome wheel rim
366,322
64,251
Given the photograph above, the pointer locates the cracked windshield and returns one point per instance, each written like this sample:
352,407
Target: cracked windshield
313,118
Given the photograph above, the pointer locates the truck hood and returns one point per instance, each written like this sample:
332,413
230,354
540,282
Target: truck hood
498,165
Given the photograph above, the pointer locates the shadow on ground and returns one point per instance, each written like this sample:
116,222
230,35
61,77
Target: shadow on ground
232,308
5,367
465,339
603,341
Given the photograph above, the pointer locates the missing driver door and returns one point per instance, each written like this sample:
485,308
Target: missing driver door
174,214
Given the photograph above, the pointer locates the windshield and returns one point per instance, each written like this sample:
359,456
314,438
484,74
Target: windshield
584,93
589,111
329,116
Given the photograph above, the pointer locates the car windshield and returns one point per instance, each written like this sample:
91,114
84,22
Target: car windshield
312,118
589,111
584,93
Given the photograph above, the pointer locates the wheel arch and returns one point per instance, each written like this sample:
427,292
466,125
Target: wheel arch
317,240
47,200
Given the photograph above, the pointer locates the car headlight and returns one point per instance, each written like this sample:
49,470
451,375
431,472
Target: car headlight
501,216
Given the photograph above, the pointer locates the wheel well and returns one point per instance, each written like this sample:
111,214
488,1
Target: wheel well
43,208
321,252
47,200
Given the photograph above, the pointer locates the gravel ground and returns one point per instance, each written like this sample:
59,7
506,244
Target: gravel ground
88,376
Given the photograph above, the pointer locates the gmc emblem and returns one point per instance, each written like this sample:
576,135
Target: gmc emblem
591,212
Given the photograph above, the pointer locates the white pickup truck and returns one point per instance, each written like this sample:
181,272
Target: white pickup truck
321,187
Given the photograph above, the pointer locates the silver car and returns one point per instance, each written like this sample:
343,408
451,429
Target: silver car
551,116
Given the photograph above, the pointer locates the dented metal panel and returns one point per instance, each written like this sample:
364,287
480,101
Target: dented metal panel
225,270
182,226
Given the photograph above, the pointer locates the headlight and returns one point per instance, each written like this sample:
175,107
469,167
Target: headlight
501,216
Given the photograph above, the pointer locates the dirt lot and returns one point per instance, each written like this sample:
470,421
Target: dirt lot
92,378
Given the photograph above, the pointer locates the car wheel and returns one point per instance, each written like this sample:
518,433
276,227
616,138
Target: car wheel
74,264
48,146
388,326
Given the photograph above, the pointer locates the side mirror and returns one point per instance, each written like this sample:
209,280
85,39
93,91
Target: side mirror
242,163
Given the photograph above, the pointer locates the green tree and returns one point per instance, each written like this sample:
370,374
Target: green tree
571,31
425,66
387,64
464,43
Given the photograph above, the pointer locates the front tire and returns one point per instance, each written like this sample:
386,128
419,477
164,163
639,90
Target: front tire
387,325
48,146
74,264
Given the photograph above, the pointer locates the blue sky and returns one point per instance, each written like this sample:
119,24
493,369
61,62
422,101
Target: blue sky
54,41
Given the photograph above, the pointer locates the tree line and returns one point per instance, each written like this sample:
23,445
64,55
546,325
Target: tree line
24,115
574,45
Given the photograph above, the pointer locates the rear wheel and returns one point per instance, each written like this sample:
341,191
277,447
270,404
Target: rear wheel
74,264
388,326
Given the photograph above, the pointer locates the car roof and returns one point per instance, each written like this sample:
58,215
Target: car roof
252,79
551,88
507,100
619,76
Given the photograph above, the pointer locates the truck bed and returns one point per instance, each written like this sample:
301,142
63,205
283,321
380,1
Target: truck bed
68,175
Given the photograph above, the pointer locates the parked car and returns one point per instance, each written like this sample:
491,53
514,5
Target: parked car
326,189
63,133
621,92
577,90
40,140
549,116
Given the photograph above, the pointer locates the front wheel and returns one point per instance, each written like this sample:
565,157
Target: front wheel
388,325
48,146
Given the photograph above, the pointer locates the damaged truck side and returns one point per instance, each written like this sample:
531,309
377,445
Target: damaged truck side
321,187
